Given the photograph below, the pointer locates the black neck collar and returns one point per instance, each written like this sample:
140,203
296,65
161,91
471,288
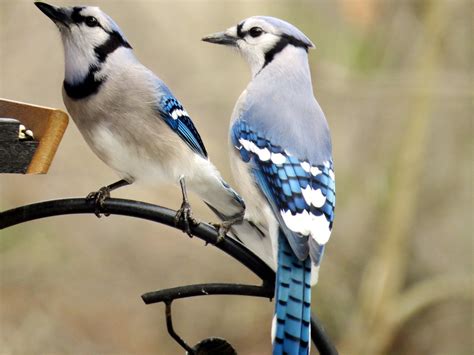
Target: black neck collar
284,41
90,85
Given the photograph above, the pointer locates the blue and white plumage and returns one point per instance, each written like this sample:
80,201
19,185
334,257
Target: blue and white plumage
282,161
127,115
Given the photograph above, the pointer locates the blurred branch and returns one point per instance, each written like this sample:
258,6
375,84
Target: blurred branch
384,277
166,216
428,292
413,301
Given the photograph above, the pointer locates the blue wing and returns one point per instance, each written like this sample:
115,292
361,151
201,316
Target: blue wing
301,194
173,113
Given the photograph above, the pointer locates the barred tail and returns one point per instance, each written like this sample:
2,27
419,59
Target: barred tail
292,319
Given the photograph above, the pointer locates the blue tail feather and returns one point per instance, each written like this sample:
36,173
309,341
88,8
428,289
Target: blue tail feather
292,302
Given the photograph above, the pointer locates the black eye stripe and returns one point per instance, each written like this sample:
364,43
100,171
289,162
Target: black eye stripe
295,42
252,31
284,41
240,33
77,18
114,41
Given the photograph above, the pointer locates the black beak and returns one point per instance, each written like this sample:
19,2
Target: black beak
221,38
54,13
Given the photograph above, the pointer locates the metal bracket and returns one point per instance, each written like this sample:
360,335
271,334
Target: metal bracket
203,231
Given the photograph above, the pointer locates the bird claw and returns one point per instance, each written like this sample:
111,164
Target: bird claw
99,198
184,217
224,227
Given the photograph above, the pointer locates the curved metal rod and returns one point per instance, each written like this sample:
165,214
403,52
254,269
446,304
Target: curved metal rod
166,216
139,210
171,331
318,334
175,293
320,338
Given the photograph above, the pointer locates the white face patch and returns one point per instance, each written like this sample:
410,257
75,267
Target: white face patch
79,55
80,41
253,49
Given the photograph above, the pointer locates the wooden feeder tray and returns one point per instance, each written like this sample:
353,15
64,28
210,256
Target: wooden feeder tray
21,152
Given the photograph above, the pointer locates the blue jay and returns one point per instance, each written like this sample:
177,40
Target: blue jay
129,117
282,161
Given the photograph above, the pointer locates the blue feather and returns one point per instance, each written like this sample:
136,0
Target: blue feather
292,302
282,181
181,124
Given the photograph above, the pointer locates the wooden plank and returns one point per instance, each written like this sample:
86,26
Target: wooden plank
48,126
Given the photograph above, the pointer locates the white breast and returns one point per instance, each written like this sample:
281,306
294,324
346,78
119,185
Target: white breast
122,127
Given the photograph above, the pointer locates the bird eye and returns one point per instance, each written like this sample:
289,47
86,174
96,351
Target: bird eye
91,21
255,32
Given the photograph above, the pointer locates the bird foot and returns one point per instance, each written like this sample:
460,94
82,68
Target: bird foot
224,227
99,197
184,218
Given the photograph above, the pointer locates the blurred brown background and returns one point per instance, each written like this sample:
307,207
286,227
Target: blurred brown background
395,80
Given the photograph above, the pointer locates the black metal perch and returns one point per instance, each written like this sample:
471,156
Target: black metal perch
203,231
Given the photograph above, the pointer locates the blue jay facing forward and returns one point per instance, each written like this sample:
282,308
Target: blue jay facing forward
281,158
130,118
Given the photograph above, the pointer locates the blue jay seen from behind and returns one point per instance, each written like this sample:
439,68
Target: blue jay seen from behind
282,161
130,118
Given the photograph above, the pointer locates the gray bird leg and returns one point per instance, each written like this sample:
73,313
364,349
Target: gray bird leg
104,193
184,215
